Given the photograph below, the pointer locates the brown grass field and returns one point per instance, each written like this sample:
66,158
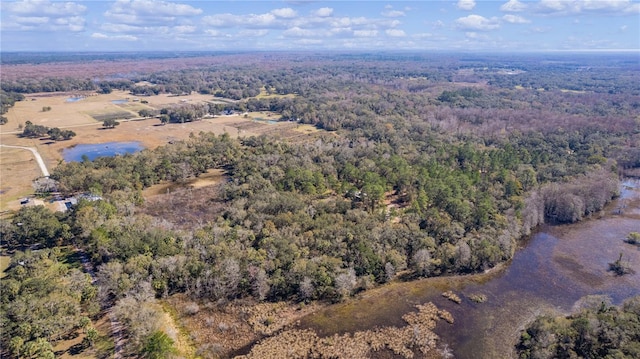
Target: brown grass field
5,261
18,167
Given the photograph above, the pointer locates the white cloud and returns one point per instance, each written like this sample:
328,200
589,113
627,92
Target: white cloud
392,23
513,6
74,23
395,33
123,28
477,23
393,13
153,7
346,21
184,29
31,20
214,33
43,15
624,6
99,35
267,20
286,13
341,31
540,30
299,32
438,24
261,20
321,23
149,12
323,12
616,7
316,33
221,20
554,5
423,35
307,42
44,8
467,5
475,36
125,37
253,33
365,33
515,19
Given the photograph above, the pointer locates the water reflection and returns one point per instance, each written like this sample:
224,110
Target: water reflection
93,151
556,267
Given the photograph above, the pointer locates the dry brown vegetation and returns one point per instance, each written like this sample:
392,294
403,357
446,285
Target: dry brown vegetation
106,68
416,337
18,167
452,296
225,331
222,331
185,207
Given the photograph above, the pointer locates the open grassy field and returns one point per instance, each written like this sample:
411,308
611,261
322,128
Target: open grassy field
210,178
306,129
18,167
264,94
4,264
90,109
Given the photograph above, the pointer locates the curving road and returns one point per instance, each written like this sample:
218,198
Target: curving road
36,154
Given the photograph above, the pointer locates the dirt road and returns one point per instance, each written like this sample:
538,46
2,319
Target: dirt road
36,154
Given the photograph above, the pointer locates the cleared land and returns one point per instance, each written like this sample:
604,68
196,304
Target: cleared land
4,264
212,177
18,167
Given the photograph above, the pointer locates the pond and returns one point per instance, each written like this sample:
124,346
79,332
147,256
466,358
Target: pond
74,99
119,102
93,151
552,271
260,119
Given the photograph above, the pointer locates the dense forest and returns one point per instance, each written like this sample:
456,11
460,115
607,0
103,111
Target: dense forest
427,166
598,331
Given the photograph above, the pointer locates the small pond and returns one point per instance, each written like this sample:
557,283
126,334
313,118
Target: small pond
74,99
260,119
93,151
119,102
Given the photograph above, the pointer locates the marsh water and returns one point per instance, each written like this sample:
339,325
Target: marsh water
551,272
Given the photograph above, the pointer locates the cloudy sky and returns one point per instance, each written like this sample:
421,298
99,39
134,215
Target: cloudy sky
504,25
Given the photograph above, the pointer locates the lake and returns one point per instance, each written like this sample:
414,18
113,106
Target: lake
93,151
550,273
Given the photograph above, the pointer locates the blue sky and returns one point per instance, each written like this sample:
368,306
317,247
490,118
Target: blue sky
447,25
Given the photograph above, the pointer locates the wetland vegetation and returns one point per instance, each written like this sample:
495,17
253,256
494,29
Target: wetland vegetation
421,166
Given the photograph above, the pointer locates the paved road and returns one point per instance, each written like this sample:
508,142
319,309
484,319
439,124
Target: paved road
35,152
